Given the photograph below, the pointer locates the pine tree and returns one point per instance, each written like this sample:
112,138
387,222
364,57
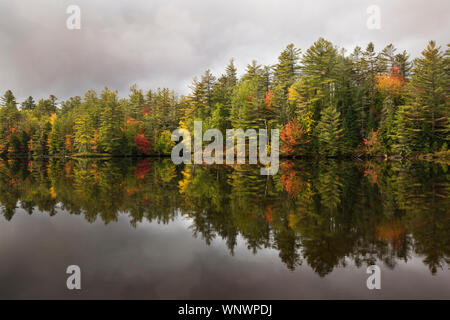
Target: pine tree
329,132
56,137
110,133
319,68
83,134
9,122
387,123
409,131
429,90
28,104
231,74
402,60
245,106
136,103
285,74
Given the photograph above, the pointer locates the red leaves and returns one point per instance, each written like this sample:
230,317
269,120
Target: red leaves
372,175
287,136
292,135
143,145
292,183
145,111
395,72
143,167
373,138
372,144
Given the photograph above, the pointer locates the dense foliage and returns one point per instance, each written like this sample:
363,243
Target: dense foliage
325,102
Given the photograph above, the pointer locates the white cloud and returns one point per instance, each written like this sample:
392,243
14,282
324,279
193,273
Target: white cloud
165,44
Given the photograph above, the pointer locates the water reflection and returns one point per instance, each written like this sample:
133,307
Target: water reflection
322,214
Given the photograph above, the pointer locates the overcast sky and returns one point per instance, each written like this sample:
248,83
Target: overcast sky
166,43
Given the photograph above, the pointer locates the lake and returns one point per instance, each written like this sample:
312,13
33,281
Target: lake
145,228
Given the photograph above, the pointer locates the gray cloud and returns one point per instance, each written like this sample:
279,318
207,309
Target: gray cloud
166,43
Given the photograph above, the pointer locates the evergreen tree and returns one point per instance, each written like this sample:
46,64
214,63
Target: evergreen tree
285,74
136,103
429,91
28,104
329,132
110,134
83,134
319,68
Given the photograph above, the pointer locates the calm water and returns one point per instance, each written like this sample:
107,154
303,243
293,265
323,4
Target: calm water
150,229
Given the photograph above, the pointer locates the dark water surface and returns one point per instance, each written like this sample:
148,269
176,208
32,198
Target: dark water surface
149,229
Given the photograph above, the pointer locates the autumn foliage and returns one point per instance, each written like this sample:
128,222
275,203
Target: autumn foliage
268,98
143,145
292,183
372,144
293,137
68,142
391,83
142,169
268,215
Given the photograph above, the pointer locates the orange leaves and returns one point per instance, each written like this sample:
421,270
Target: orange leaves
68,142
268,98
287,136
95,140
291,183
132,121
394,232
269,215
392,83
293,135
67,169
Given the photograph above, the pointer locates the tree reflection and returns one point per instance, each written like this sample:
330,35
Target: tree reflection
323,214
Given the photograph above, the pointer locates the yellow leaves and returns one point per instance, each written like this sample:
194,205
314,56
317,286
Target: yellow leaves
182,125
53,118
52,192
183,184
293,220
306,120
293,95
168,173
389,84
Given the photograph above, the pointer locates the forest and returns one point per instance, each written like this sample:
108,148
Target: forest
326,103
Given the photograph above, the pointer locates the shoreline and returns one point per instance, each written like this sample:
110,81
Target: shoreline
418,157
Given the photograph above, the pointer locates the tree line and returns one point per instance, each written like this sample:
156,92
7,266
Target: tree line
326,102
